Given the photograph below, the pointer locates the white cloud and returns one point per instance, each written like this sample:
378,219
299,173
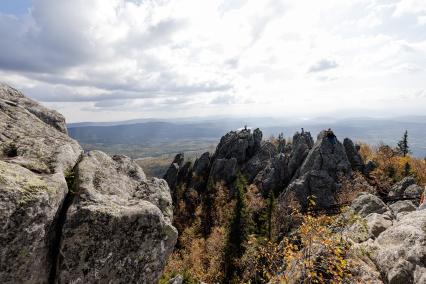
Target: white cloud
224,99
323,65
421,20
117,59
409,7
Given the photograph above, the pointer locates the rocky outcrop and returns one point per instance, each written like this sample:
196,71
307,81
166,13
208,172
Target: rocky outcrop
185,172
353,155
366,204
277,171
399,188
386,246
30,142
35,158
318,175
274,177
402,206
302,169
377,223
224,170
413,190
399,252
200,171
302,144
29,203
118,228
314,183
259,160
201,165
177,174
328,155
395,239
171,175
71,217
241,145
50,117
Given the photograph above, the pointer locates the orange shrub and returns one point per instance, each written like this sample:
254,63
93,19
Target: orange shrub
316,253
393,165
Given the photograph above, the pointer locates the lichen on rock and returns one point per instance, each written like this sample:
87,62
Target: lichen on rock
67,217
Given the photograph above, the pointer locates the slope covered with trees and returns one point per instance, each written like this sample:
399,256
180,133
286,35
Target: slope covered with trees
294,211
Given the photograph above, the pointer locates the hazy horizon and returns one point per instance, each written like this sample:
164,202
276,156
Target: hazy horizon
104,60
274,119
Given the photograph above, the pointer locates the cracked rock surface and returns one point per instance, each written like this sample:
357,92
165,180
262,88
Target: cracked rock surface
395,241
118,227
34,156
66,217
318,174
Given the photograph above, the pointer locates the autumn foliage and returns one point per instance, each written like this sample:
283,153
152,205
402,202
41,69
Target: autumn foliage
392,165
237,235
314,253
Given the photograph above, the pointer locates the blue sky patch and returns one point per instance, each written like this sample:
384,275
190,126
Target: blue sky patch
14,7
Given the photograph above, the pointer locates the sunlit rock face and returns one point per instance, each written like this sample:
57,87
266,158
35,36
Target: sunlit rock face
71,217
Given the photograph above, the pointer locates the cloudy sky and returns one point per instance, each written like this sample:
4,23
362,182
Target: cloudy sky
103,60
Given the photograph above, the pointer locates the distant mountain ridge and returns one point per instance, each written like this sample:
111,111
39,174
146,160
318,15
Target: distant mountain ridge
140,132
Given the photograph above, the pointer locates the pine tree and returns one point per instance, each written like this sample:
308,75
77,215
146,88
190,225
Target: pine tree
238,231
263,220
271,206
402,146
207,209
407,169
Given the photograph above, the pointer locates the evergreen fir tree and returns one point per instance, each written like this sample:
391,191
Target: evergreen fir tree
271,206
207,208
402,146
263,220
238,231
407,169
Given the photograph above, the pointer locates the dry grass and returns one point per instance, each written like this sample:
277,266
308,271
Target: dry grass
155,166
352,187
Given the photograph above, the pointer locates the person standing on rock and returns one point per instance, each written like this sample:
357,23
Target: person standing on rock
331,137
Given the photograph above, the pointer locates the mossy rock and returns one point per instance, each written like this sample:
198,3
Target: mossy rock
25,184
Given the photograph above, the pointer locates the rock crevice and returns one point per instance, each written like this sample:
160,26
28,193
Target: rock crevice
59,222
71,217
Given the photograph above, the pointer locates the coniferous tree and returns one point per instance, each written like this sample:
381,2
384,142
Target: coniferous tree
238,231
407,169
207,208
402,146
263,220
281,143
271,206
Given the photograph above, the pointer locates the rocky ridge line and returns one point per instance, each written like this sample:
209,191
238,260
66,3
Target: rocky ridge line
393,233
